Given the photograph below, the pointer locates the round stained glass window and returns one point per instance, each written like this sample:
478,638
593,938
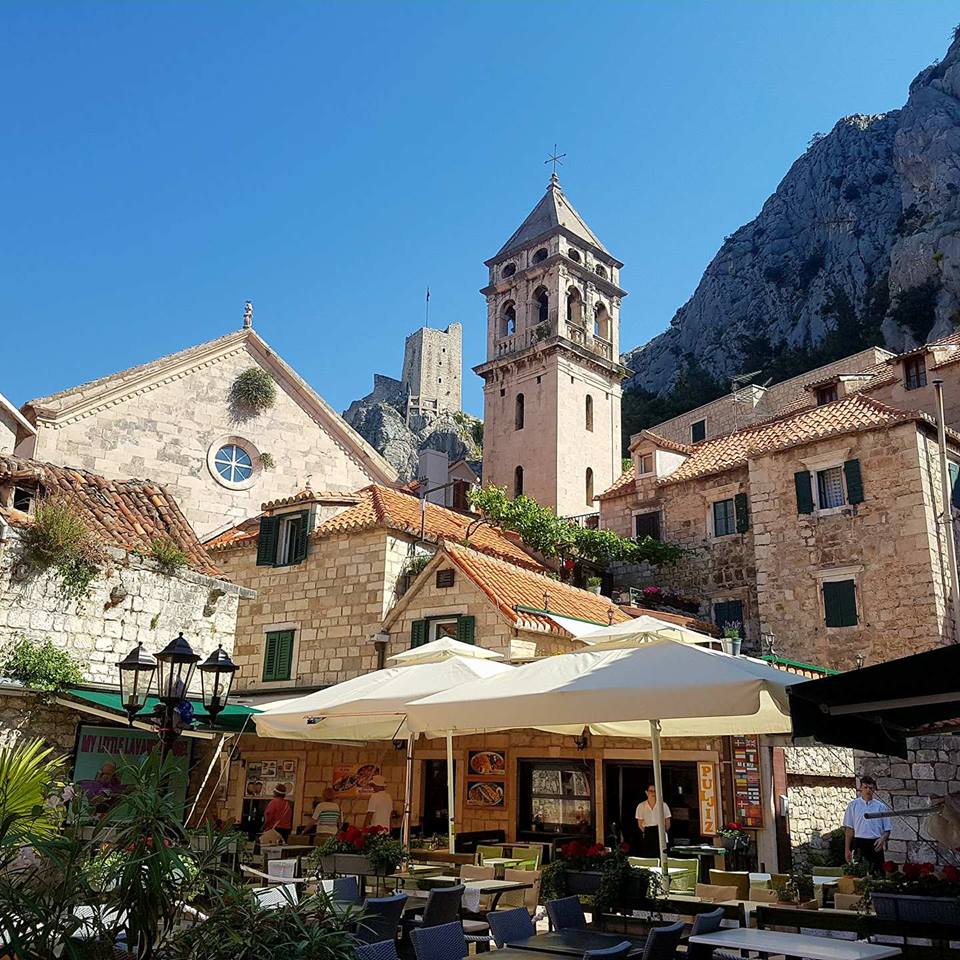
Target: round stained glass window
233,463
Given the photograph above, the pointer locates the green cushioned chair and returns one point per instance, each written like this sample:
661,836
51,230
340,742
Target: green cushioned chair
532,853
685,882
485,850
644,862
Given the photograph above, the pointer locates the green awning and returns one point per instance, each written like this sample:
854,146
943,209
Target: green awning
231,719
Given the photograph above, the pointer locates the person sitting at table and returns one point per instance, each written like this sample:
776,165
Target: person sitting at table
648,815
279,814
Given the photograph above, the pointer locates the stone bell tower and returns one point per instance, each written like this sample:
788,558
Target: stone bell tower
552,378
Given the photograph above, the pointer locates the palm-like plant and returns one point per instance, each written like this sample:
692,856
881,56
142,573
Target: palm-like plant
29,772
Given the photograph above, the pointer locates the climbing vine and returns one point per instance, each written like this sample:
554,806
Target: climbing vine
552,536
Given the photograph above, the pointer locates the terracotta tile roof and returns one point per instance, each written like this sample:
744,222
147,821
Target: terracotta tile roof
378,506
123,513
624,484
312,496
664,443
846,415
717,454
508,587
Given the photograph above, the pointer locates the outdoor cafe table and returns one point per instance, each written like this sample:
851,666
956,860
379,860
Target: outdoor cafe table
574,943
496,888
500,864
794,945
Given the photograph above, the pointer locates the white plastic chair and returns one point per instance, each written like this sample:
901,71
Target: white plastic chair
282,869
272,898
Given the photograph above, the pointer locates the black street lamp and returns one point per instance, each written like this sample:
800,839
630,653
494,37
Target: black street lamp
174,666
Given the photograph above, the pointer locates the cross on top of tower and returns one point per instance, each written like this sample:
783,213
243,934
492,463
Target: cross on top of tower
555,158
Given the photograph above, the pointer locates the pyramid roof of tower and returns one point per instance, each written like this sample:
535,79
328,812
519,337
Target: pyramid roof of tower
554,210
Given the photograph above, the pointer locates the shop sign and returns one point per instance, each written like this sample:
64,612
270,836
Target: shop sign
709,799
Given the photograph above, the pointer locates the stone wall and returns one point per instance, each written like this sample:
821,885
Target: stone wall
432,367
931,770
169,432
27,716
130,602
820,784
8,431
890,545
334,601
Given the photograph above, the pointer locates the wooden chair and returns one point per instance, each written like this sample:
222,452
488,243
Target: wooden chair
732,878
717,894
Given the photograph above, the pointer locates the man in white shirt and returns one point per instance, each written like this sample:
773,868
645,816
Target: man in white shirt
380,804
867,839
648,815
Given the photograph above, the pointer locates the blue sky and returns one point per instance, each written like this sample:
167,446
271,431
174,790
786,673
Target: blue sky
165,161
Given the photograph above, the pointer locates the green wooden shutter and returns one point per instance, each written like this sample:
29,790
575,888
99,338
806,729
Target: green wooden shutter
851,473
801,480
270,657
742,512
267,541
840,603
954,472
418,633
299,530
284,655
466,629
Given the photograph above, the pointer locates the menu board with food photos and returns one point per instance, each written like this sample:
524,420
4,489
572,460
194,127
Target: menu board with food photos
354,779
486,778
747,800
263,776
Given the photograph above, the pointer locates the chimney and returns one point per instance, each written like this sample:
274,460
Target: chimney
433,468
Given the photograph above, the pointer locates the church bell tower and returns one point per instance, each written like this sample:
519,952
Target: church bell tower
552,378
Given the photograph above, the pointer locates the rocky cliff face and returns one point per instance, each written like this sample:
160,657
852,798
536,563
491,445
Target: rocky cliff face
869,217
380,419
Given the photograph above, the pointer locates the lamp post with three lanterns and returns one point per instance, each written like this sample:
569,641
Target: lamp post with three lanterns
174,666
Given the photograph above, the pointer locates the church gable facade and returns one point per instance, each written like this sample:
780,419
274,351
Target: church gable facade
172,421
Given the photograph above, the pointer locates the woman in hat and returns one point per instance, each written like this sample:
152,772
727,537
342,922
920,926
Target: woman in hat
279,813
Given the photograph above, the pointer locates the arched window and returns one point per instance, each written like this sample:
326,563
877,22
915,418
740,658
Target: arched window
509,270
518,481
600,270
518,412
589,486
508,319
588,412
574,255
601,322
574,307
541,254
542,300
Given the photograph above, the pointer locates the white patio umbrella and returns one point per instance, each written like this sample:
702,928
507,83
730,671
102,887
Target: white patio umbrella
373,706
659,687
642,629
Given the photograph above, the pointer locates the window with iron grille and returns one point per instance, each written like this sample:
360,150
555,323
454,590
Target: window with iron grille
647,525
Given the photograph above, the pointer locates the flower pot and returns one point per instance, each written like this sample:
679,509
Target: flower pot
595,589
909,907
732,645
347,863
583,882
849,885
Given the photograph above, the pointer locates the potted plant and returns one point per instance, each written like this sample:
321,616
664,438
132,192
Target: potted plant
854,876
915,892
733,838
593,585
364,852
795,890
594,871
732,639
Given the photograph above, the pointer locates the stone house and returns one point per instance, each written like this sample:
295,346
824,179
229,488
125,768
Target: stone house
12,422
133,599
172,420
327,568
818,530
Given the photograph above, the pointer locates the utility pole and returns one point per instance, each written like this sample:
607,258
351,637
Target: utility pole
946,496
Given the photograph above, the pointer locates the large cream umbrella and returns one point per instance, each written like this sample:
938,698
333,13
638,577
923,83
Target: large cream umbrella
642,629
373,706
659,687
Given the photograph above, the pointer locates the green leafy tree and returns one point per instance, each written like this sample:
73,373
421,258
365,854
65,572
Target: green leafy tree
552,536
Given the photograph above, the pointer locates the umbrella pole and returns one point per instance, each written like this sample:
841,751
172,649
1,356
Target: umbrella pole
451,809
408,794
658,785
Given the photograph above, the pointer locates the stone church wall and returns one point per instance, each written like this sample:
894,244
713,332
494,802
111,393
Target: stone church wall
170,432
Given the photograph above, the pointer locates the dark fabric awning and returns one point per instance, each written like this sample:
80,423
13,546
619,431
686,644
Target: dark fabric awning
877,708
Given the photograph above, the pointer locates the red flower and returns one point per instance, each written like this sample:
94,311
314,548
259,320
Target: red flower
911,870
889,867
595,850
733,825
951,873
624,847
926,869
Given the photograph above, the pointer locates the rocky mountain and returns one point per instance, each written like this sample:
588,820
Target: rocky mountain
860,242
380,419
